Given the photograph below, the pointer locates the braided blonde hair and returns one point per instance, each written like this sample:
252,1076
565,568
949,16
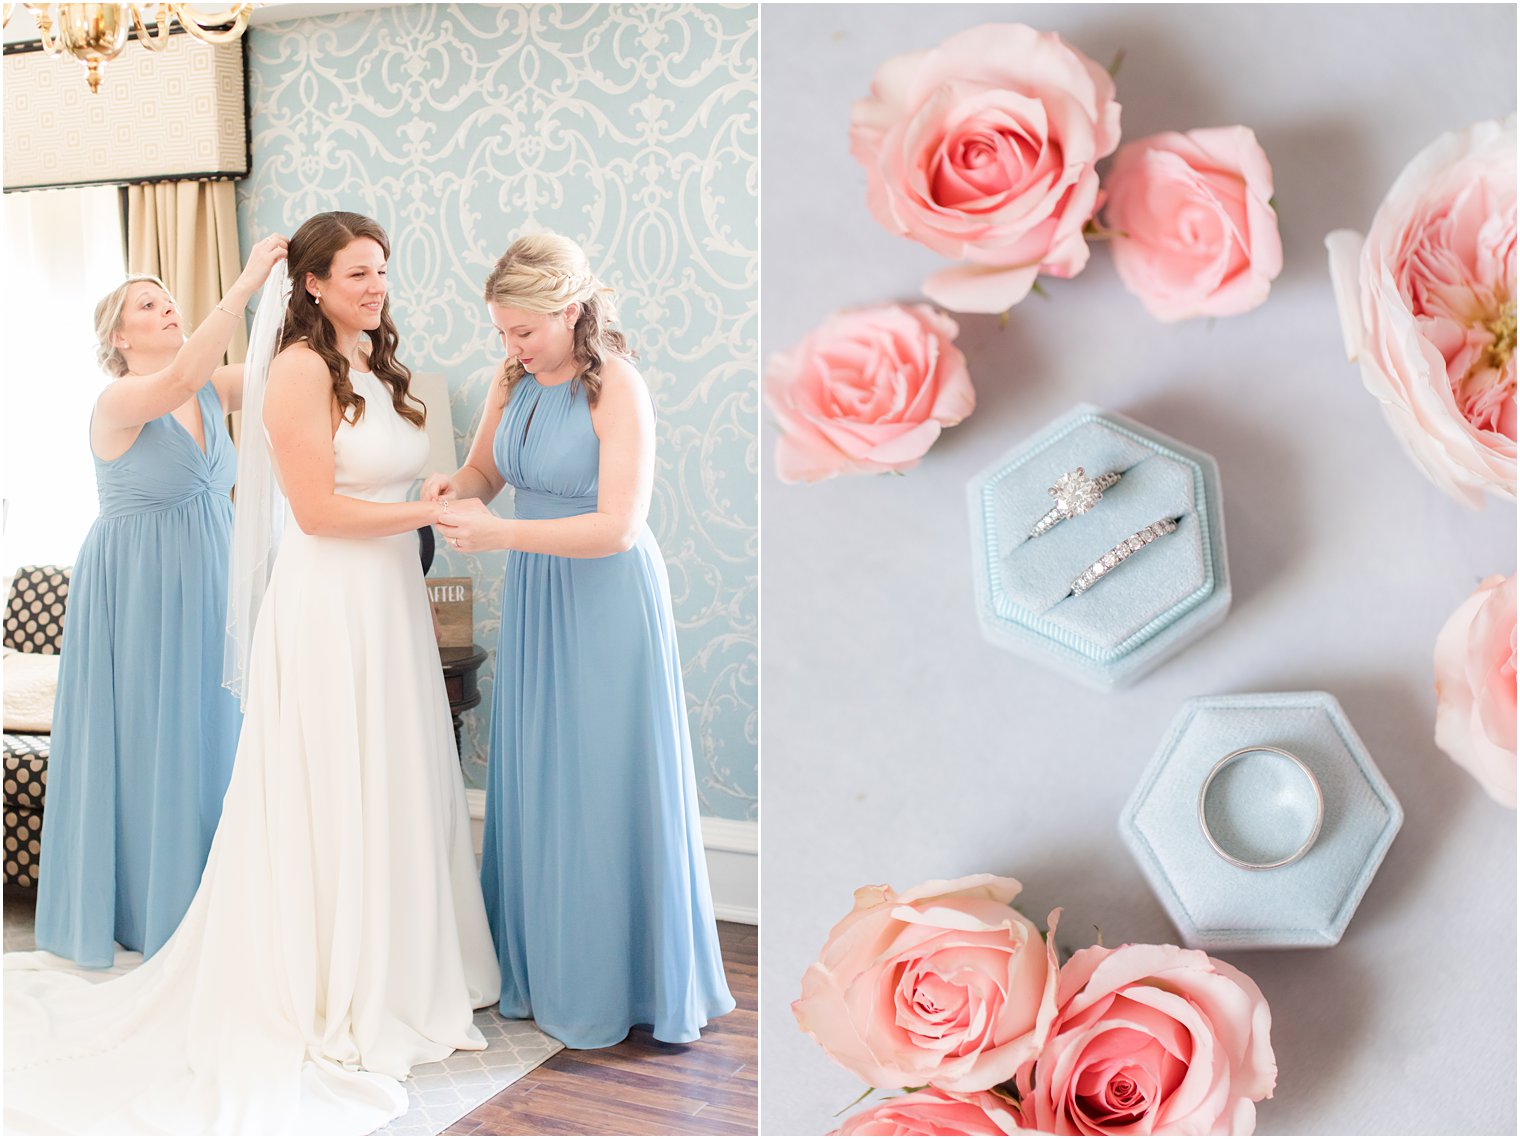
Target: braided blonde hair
108,314
547,273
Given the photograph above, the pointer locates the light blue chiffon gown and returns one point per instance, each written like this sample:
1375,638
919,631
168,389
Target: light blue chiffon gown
143,731
593,869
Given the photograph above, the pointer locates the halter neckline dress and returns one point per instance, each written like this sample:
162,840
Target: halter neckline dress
594,872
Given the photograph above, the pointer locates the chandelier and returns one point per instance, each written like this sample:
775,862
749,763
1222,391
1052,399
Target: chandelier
95,34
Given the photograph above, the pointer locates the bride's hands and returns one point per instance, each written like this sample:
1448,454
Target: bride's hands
437,488
468,526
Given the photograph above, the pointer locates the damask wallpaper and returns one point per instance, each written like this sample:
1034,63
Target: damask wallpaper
632,128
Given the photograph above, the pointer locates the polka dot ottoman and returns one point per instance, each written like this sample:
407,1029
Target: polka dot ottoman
34,612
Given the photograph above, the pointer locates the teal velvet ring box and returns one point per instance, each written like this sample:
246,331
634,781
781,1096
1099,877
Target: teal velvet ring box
1146,607
1258,810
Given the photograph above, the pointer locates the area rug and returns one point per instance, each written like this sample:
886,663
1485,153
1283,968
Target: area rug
450,1089
440,1093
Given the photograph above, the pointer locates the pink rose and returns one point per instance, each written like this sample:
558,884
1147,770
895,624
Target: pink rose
867,391
942,985
1151,1039
984,149
1195,233
1475,687
1427,305
933,1112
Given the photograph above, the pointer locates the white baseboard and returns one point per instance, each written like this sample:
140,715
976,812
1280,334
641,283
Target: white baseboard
733,868
477,800
733,860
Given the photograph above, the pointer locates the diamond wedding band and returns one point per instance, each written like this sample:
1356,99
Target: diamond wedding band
1136,541
1075,494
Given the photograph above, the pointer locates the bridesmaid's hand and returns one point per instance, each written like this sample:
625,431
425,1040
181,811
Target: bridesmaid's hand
436,488
468,526
262,258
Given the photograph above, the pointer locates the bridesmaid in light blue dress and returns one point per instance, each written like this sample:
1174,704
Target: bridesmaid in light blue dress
593,868
143,732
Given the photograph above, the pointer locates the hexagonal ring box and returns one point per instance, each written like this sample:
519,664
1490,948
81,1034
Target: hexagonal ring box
1151,590
1248,781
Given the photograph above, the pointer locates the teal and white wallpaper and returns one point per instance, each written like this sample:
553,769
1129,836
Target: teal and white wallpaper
632,128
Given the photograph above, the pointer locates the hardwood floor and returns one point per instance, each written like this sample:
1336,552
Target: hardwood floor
643,1087
640,1087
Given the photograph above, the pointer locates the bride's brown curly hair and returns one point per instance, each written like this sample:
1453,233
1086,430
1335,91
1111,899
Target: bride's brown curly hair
312,249
547,273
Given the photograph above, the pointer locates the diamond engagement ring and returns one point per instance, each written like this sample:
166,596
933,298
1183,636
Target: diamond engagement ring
1075,494
1136,541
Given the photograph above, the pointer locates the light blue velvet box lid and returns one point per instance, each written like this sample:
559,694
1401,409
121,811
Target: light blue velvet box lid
1216,905
1163,597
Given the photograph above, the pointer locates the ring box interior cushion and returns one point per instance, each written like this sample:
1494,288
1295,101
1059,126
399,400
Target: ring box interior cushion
1143,610
1264,810
1261,808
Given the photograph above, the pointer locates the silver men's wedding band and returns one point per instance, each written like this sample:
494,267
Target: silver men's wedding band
1235,860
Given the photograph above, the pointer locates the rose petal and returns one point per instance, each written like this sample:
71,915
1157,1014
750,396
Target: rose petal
976,288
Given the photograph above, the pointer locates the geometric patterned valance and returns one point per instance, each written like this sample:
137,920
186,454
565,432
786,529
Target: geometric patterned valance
176,114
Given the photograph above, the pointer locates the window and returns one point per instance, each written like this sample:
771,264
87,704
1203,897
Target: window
63,253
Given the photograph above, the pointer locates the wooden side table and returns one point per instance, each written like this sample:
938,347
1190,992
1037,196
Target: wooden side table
460,667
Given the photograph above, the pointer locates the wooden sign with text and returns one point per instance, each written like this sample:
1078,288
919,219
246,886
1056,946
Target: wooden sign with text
453,604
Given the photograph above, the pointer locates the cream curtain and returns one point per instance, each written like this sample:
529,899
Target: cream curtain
186,234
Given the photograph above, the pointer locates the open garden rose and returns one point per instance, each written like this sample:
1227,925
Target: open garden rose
933,1112
1427,305
1151,1039
985,150
944,985
1195,233
1475,687
867,391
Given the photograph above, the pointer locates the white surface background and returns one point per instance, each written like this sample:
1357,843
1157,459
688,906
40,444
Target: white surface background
899,746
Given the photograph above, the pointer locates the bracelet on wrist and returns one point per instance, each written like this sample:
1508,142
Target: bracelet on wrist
225,309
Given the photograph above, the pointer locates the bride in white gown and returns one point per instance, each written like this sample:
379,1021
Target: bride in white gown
338,936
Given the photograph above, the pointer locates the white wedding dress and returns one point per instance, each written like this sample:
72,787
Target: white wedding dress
338,936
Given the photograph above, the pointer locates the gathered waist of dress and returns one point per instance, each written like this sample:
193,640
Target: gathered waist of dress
118,505
539,504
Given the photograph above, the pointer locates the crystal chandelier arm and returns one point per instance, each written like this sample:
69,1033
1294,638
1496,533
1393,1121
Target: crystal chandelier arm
44,24
95,34
162,21
204,26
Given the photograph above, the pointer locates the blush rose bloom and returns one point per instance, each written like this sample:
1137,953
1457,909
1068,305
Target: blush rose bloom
985,149
1427,306
1195,231
867,391
1151,1039
1475,687
945,984
933,1112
